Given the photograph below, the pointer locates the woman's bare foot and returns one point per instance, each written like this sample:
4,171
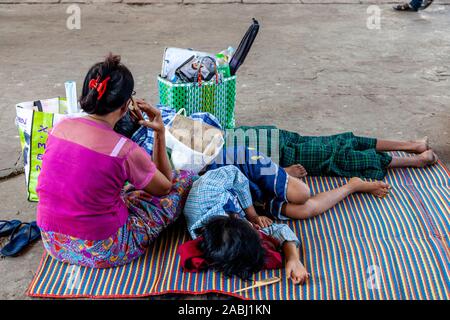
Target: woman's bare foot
296,171
377,188
427,158
420,145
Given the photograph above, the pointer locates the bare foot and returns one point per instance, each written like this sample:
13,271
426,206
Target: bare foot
378,188
427,158
421,145
296,171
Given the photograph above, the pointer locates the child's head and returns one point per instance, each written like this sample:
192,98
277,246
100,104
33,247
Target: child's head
119,85
232,246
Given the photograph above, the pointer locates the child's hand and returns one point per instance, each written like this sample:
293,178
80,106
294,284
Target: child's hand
296,271
261,221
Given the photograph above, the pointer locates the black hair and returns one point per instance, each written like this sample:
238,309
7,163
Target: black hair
232,246
119,87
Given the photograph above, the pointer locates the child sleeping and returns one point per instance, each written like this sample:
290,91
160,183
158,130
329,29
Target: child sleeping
229,235
278,191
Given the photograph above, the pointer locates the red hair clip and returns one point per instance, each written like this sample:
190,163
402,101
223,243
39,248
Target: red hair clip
100,87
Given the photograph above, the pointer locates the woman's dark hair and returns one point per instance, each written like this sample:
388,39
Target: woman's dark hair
232,246
118,88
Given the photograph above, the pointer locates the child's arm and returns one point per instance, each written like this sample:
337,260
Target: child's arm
241,188
294,268
257,220
289,244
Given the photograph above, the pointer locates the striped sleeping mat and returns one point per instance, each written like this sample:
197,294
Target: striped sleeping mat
364,248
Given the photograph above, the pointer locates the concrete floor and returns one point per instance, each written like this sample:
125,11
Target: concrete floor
315,69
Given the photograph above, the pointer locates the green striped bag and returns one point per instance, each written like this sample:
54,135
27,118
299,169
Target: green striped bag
34,120
217,97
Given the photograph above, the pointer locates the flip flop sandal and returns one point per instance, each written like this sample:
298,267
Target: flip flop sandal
21,237
404,7
7,227
426,5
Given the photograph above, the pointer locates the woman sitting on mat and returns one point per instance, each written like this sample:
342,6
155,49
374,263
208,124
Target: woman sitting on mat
85,216
344,154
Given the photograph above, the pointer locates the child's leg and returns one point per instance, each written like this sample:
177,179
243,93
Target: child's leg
297,191
416,146
321,202
424,159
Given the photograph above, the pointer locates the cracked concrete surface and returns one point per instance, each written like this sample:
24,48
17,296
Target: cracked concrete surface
315,69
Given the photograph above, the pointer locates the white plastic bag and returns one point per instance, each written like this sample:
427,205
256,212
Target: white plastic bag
175,57
193,144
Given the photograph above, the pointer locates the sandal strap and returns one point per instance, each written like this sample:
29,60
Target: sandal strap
33,226
6,223
16,229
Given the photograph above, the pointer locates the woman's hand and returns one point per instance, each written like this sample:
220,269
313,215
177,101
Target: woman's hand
155,120
160,158
296,271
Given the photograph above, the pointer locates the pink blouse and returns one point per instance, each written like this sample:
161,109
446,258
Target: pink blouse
84,169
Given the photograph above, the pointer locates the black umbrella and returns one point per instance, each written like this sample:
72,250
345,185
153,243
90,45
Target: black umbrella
244,47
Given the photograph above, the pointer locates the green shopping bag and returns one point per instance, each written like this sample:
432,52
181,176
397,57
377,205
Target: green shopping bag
217,97
34,120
